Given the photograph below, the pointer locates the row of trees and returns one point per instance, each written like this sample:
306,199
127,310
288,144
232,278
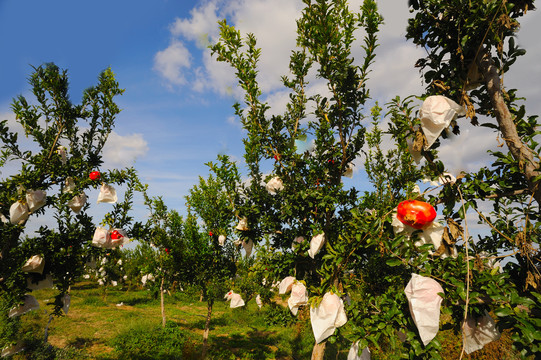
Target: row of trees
360,254
461,38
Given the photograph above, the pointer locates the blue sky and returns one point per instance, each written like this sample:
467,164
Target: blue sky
177,112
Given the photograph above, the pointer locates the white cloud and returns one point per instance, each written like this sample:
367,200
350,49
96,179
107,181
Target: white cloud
200,27
468,151
273,24
12,124
171,62
393,72
121,151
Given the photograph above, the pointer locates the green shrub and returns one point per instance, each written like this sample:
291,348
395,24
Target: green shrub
150,342
278,315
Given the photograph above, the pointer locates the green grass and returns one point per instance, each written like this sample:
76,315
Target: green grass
96,328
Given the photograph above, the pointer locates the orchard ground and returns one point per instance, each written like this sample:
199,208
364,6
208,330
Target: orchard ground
126,324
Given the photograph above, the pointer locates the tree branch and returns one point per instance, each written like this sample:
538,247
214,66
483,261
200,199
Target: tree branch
520,151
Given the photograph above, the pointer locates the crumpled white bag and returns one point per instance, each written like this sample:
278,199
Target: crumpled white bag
221,240
243,224
316,244
30,303
353,353
248,246
46,283
62,151
399,227
107,194
146,278
434,234
236,299
12,350
416,155
18,213
349,171
424,303
328,316
479,332
101,238
445,178
299,297
298,239
228,295
35,199
436,114
35,264
69,185
258,301
66,301
275,184
77,202
285,285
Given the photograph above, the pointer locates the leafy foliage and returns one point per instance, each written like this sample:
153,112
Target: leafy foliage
63,144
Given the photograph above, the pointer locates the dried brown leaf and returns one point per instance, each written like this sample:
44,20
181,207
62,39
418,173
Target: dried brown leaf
419,142
455,229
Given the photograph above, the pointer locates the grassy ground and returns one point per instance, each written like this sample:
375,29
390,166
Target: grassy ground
98,327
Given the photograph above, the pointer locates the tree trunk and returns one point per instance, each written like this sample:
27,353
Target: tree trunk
46,336
161,302
210,302
319,350
520,151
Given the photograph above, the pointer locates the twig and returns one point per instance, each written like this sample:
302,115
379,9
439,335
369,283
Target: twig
466,240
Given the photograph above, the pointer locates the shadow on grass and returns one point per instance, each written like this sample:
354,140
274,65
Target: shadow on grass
82,342
220,321
252,345
136,300
84,286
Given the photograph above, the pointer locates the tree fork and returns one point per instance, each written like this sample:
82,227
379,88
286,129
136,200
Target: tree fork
518,149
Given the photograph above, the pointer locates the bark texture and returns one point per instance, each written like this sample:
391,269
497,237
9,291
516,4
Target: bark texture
162,305
207,328
520,151
318,351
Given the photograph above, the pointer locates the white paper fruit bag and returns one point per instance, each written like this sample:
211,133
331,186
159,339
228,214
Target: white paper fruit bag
35,199
436,114
316,244
107,194
299,297
30,303
479,332
328,316
35,264
424,303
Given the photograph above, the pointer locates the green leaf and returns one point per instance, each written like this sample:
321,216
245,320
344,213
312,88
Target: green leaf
394,262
